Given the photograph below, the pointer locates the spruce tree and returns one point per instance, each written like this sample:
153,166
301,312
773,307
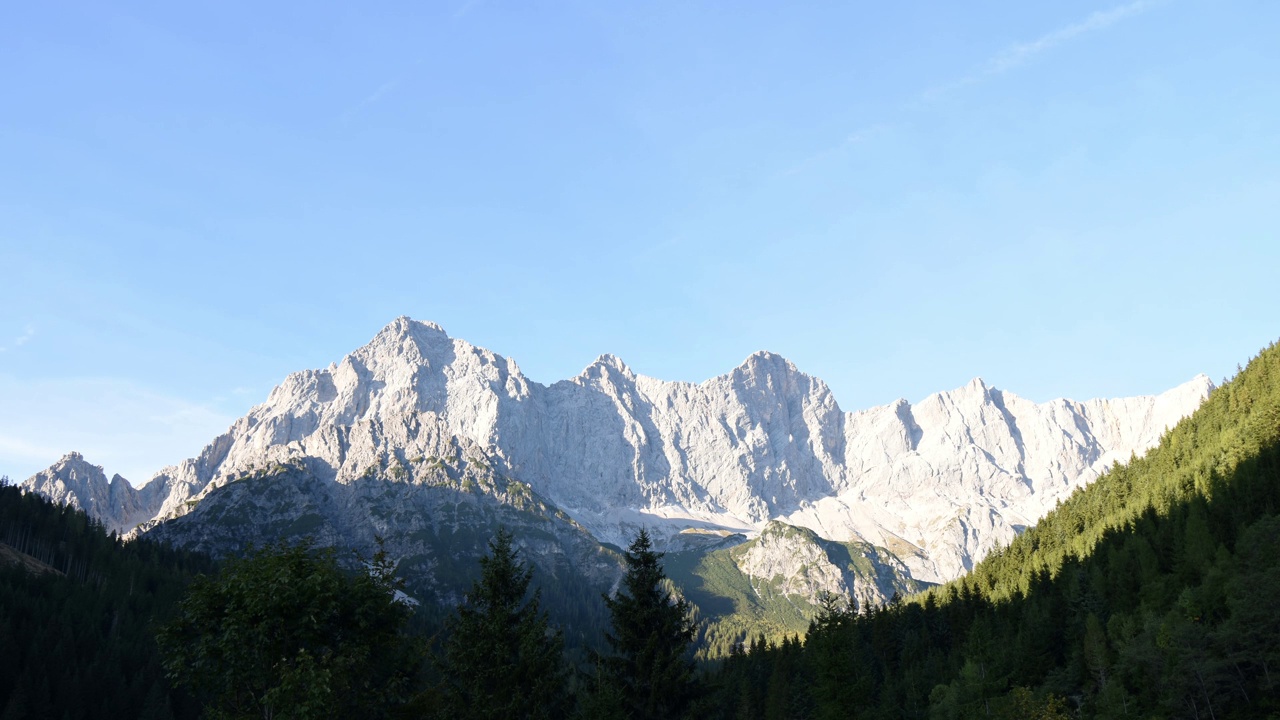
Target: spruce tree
651,669
501,660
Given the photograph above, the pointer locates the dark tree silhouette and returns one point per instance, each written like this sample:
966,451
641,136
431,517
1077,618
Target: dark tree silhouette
501,659
287,633
650,673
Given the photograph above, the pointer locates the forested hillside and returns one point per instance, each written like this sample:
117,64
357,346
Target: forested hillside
1149,593
79,610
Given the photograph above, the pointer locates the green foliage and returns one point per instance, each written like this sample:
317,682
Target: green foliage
1239,421
732,608
729,606
286,633
1151,593
650,671
78,607
838,681
501,659
437,534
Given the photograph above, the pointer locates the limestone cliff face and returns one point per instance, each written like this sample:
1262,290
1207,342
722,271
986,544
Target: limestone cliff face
801,564
939,483
115,503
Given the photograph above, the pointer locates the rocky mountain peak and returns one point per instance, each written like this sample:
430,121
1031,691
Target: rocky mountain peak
73,466
1200,384
944,481
766,363
405,341
976,391
607,364
75,481
405,326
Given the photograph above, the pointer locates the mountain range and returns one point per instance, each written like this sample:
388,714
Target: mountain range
430,442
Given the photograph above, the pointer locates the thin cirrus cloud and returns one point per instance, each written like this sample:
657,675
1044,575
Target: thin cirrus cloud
1100,20
390,86
372,98
1020,53
465,8
379,93
1002,62
853,138
21,340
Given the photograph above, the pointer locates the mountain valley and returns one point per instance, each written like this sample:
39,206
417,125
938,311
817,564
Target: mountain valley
765,494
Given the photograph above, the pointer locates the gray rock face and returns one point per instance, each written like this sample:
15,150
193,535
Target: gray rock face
115,503
434,515
807,566
939,484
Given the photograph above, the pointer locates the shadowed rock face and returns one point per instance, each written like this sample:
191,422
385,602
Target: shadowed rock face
940,483
435,520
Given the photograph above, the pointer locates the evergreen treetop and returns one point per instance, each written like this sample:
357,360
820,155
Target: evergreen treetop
651,636
501,659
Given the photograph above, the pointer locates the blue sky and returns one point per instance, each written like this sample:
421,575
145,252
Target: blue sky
1069,199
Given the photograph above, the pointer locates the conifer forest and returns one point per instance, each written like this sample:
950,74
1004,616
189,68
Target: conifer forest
1151,593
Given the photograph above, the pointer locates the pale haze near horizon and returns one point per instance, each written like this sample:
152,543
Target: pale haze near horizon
1077,200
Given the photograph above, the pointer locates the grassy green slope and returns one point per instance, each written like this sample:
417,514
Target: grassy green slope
734,607
1150,593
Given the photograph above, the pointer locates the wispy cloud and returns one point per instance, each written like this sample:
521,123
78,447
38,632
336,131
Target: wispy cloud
465,8
1002,62
1018,54
382,91
21,340
853,138
390,86
372,98
1100,20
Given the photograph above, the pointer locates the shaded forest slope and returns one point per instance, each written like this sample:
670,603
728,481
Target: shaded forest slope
1151,592
79,608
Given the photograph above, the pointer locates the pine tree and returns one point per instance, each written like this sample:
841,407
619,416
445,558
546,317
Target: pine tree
501,659
836,687
651,669
18,706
